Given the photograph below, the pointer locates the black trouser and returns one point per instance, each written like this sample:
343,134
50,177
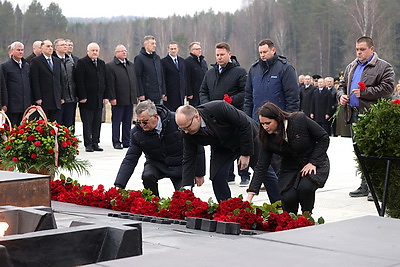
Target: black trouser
91,120
67,114
152,172
304,195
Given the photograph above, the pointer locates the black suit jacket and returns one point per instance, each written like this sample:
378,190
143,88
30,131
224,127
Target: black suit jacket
196,68
233,133
46,84
320,104
91,83
175,82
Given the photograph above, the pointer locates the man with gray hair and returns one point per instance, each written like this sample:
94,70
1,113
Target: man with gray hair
158,137
16,76
122,84
149,72
91,87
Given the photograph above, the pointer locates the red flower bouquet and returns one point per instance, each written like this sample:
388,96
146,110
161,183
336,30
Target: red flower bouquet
37,145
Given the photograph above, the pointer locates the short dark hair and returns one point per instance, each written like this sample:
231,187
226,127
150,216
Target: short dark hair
266,42
366,39
223,45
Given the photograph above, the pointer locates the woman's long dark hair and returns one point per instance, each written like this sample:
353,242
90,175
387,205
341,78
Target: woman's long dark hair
272,111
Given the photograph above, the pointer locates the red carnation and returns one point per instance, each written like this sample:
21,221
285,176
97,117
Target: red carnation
362,86
396,101
14,159
227,98
37,143
33,155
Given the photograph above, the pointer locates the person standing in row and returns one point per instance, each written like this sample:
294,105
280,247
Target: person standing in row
196,68
47,81
36,50
16,76
149,72
122,85
174,71
91,87
66,116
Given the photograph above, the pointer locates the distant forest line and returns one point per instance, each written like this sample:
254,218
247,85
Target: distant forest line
317,36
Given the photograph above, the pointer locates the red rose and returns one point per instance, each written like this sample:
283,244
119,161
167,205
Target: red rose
227,98
31,137
396,101
8,147
51,151
21,131
14,159
362,86
64,144
52,132
33,155
39,129
37,143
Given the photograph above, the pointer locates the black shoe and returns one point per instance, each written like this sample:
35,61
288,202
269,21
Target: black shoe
118,146
360,192
369,197
97,148
89,149
244,183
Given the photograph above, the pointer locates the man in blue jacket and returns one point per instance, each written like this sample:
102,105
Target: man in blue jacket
271,79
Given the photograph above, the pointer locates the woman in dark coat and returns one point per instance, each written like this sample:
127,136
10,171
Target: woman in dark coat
302,144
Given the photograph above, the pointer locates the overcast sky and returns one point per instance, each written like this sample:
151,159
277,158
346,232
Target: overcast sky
155,8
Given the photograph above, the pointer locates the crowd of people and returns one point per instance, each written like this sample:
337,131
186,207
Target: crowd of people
267,118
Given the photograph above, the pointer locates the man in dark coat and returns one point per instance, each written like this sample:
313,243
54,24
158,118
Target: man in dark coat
47,81
92,94
157,136
16,76
174,71
196,68
226,80
306,93
225,77
320,105
36,50
149,72
231,135
122,85
67,114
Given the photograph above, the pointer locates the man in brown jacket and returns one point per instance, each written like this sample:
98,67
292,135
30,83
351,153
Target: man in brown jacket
378,77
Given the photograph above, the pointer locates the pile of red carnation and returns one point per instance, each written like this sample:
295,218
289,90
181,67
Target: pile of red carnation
182,204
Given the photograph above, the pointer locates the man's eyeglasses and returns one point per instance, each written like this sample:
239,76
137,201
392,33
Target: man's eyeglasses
144,122
187,127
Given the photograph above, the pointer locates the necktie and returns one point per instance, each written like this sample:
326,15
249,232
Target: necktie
176,63
20,65
63,60
220,69
50,63
95,63
124,63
